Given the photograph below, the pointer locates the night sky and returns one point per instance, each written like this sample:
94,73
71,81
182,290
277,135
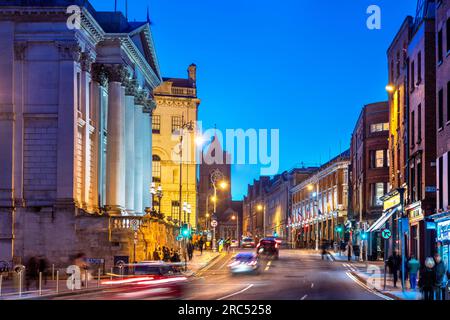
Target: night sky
305,67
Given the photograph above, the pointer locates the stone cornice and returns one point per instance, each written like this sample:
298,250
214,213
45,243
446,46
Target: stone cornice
170,101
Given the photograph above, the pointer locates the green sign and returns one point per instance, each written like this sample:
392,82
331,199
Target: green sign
386,234
179,237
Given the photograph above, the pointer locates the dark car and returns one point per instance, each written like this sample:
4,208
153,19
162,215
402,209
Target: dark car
268,247
248,243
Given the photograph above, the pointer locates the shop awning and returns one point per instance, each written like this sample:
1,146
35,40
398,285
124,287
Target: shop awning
382,221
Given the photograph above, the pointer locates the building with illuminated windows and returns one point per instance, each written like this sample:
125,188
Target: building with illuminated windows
176,114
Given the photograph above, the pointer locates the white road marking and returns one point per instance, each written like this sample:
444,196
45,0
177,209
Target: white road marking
312,285
268,266
304,297
366,287
236,293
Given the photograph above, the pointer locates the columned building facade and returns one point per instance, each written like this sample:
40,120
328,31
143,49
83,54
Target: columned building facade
75,123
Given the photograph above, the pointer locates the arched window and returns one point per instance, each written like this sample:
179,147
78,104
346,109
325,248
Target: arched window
156,168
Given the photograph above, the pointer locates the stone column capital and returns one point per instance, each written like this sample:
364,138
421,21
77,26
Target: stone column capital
69,50
86,61
131,87
117,73
99,74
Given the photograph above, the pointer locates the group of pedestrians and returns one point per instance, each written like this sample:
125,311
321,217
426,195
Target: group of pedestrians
34,267
431,278
166,254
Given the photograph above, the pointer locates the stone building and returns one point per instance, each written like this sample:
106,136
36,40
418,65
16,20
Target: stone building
177,107
75,124
319,204
254,208
369,173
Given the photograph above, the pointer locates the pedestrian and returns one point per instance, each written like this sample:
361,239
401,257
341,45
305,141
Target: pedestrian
166,254
394,263
81,263
200,245
31,272
441,277
349,251
156,256
43,265
190,250
427,279
413,269
324,251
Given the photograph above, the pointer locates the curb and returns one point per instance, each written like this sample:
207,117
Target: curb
206,265
387,294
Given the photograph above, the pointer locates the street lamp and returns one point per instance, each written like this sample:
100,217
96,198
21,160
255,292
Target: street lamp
158,193
316,205
217,177
390,88
236,217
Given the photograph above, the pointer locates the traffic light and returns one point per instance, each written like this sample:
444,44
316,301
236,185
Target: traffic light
364,235
185,231
339,228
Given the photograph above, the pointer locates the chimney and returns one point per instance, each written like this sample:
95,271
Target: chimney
192,72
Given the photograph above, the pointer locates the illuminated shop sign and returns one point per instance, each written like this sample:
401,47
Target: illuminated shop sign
443,230
391,202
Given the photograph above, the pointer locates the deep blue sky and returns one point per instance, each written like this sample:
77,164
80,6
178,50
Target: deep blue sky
305,67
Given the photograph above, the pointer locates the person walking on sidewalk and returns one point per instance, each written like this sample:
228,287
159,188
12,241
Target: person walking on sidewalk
190,250
324,251
32,272
395,263
200,245
427,279
413,269
441,277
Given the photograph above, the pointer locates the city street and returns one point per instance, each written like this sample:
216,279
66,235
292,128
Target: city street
297,275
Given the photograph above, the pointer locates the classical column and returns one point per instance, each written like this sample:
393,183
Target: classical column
130,92
115,161
149,106
138,158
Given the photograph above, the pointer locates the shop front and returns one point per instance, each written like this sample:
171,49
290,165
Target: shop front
442,221
416,231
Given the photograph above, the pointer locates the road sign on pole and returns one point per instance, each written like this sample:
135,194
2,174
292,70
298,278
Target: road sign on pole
214,223
386,234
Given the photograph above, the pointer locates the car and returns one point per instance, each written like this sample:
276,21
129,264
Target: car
268,247
248,243
245,262
234,244
147,280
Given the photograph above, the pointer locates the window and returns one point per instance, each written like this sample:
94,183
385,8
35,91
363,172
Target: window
441,183
78,91
176,124
419,67
379,159
156,124
412,178
448,34
412,131
419,123
413,82
377,194
379,127
392,70
156,168
398,64
441,108
175,212
440,47
419,180
448,101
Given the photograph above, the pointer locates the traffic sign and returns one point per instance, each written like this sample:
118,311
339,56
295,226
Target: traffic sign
214,223
386,234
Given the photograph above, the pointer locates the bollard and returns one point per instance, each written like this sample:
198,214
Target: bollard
53,272
98,279
86,278
57,281
40,283
111,277
20,283
1,282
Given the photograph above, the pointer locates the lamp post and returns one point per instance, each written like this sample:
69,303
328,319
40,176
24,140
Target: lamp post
262,207
217,177
316,205
236,217
158,192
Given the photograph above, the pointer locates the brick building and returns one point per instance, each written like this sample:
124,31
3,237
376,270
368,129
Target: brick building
369,175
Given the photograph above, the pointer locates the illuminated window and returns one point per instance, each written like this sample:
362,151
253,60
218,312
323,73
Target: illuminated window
379,127
156,168
377,194
175,209
176,124
156,124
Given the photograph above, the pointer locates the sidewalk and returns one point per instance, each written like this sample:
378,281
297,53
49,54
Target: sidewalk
199,261
372,274
10,288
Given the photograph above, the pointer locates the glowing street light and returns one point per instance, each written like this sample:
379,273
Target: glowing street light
390,88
